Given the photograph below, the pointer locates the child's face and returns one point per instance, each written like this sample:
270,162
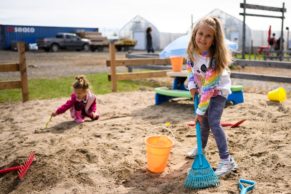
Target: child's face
80,93
204,37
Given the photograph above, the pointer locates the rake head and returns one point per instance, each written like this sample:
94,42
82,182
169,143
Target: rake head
201,175
24,168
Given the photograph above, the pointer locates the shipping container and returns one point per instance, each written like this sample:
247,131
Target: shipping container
10,34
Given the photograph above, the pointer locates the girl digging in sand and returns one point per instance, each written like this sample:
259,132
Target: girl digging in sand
207,63
82,102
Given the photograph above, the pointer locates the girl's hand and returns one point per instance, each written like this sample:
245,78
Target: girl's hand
54,114
193,92
95,116
198,118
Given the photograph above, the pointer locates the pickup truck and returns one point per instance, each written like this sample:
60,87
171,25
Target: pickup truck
64,41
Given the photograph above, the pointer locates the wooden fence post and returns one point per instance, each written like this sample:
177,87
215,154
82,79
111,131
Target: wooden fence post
23,70
113,66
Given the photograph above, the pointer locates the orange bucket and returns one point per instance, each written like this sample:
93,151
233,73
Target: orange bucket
177,63
158,149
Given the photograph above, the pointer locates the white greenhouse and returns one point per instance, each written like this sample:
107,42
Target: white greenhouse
233,28
136,29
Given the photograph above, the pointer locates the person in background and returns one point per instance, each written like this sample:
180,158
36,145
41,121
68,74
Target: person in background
149,40
272,41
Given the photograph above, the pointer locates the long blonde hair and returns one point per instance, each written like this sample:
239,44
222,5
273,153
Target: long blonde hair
218,50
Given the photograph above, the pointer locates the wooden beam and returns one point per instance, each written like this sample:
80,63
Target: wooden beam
262,7
141,55
137,62
9,85
260,77
275,64
261,15
140,75
7,67
113,66
108,63
23,70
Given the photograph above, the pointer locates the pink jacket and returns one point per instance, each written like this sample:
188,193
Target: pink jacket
89,108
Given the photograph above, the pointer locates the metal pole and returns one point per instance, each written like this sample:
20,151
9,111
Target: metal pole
282,36
287,28
244,32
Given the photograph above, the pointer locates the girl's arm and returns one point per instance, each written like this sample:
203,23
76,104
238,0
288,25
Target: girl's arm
93,107
207,90
93,111
191,84
67,105
190,77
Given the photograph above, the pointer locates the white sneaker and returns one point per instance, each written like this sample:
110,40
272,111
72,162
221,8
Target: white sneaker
192,153
226,166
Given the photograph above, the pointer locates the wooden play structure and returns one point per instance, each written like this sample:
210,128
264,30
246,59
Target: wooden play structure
17,66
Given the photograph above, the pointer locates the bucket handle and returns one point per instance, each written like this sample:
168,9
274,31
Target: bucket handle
171,132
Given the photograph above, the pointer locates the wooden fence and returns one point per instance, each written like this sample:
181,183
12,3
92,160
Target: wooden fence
143,62
113,63
21,67
262,77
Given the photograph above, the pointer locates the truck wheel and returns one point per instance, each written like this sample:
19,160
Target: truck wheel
55,48
86,47
100,49
93,49
118,48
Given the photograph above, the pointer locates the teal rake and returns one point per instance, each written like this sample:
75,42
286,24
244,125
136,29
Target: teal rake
201,175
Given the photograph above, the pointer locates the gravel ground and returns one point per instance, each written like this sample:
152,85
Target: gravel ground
51,65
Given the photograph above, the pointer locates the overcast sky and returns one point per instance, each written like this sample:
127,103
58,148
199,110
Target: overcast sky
166,15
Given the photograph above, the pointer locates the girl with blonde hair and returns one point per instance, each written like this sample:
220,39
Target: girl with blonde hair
207,64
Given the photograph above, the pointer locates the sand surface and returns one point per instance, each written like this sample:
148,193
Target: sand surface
109,156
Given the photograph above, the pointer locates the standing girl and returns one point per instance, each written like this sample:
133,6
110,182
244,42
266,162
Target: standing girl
208,76
82,102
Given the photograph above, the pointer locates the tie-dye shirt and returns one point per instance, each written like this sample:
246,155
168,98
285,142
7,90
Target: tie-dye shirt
209,83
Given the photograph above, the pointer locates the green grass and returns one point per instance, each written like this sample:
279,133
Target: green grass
62,87
250,56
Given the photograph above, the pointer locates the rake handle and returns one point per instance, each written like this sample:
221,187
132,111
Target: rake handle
226,124
198,130
10,169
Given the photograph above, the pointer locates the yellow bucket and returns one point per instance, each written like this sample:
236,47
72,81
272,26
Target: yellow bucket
158,149
177,63
278,94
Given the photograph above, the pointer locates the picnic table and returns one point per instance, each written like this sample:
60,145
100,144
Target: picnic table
164,94
179,79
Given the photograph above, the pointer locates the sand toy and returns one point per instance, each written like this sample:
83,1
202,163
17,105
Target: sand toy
232,125
246,185
22,169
